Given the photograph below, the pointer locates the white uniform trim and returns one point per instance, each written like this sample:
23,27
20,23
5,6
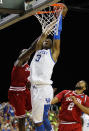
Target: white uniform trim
21,116
77,94
66,122
12,88
85,98
67,93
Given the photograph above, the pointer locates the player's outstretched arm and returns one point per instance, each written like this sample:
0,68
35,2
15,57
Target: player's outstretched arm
36,45
58,28
54,100
58,97
24,56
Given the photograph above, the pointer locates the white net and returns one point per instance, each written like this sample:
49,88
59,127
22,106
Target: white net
46,17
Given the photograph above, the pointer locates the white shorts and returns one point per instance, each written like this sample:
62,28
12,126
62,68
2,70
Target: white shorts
85,128
40,95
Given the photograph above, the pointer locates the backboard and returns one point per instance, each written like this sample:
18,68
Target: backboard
9,6
12,11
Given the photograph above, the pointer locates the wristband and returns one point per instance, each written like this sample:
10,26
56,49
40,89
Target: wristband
58,28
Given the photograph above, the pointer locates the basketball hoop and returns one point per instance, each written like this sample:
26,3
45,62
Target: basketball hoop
48,15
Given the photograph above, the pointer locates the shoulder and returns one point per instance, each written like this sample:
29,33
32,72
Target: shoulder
63,92
66,91
37,51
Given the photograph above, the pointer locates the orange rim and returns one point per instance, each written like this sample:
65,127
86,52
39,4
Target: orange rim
47,12
58,4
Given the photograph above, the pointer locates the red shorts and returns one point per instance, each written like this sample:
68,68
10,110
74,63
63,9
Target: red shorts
70,127
21,101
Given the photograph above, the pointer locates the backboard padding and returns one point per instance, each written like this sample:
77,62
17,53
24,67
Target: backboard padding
12,4
32,11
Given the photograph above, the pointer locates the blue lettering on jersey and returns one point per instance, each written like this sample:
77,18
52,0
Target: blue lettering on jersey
43,52
38,56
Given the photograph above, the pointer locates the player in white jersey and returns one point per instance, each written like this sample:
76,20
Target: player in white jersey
41,66
85,118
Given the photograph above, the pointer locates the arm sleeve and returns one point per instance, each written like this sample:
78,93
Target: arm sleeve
61,95
87,101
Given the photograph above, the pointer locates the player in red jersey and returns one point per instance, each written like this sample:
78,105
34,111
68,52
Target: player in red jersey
73,103
18,94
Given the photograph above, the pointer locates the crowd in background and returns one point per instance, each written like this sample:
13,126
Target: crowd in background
8,121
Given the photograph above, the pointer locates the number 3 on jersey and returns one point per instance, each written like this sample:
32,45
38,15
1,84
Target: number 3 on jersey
70,107
38,57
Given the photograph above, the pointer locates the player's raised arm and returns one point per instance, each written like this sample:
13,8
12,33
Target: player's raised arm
26,53
58,28
55,100
44,35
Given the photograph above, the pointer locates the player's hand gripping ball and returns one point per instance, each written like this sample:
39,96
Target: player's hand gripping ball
58,8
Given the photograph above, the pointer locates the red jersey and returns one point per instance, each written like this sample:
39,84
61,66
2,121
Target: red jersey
18,95
69,111
19,75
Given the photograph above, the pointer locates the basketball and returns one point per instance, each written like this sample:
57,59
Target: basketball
58,7
57,10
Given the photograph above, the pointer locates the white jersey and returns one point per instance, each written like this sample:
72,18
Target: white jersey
41,67
85,122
